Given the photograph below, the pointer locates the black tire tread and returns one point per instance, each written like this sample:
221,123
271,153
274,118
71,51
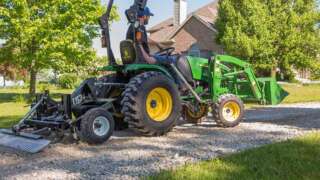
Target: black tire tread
131,110
216,109
86,134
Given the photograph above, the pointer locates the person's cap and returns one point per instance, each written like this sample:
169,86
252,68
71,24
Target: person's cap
145,12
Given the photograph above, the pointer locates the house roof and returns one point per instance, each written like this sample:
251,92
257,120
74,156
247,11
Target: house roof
166,30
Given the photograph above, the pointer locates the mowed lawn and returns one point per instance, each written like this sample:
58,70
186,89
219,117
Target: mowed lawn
302,93
12,108
14,105
294,159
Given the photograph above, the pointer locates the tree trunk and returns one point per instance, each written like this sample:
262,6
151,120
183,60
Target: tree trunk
33,82
4,81
274,68
55,74
274,72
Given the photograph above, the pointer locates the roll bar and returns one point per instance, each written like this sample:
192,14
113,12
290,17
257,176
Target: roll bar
104,24
132,16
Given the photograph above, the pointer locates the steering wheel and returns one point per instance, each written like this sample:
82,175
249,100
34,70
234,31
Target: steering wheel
166,51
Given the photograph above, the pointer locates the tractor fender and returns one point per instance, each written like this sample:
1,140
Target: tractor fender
147,67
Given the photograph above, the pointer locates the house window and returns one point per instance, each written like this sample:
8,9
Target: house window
194,50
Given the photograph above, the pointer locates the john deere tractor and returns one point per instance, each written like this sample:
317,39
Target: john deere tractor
149,99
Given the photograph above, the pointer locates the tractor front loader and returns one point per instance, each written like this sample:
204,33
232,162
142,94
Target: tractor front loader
148,98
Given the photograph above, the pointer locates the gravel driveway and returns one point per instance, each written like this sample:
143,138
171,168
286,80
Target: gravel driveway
128,156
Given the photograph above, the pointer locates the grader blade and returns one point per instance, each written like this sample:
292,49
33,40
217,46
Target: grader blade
25,142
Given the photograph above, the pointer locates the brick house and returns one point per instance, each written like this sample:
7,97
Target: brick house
192,34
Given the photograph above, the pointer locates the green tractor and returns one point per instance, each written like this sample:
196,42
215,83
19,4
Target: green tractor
152,99
149,99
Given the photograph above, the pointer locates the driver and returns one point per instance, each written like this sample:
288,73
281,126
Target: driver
142,38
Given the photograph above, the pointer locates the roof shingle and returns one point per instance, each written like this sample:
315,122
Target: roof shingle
163,31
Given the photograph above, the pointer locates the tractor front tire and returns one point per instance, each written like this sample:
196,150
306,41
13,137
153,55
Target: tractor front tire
228,111
96,126
151,104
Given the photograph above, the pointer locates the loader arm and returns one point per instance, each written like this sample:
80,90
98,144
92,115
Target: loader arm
232,70
242,68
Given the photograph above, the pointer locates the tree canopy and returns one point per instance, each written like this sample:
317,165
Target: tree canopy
7,67
271,34
51,34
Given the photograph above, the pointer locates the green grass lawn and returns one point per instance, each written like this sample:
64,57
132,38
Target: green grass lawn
299,93
293,159
11,112
13,104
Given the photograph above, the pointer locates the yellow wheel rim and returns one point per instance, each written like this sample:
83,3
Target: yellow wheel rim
231,111
159,104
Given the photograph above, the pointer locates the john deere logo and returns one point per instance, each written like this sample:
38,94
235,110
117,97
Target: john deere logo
126,54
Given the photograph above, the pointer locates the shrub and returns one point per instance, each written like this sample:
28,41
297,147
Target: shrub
42,87
315,72
20,98
68,81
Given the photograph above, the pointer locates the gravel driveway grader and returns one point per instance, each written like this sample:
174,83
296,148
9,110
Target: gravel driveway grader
146,98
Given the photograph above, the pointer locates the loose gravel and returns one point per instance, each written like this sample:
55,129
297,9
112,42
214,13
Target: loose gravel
129,156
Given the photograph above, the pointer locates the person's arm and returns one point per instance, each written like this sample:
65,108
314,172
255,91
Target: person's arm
146,56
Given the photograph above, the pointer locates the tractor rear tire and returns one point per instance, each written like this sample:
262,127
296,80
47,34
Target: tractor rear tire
228,111
96,126
151,104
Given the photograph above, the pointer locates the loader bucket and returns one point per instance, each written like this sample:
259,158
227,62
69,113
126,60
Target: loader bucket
25,142
273,93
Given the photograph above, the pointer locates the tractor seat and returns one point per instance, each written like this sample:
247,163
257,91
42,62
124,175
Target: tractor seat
128,52
184,67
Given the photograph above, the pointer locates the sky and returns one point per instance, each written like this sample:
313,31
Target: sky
163,9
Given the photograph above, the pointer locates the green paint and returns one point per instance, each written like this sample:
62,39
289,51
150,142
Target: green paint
136,68
146,67
232,60
226,79
221,75
274,94
199,67
110,68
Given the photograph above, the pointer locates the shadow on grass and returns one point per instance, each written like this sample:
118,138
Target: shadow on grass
8,121
294,159
12,97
